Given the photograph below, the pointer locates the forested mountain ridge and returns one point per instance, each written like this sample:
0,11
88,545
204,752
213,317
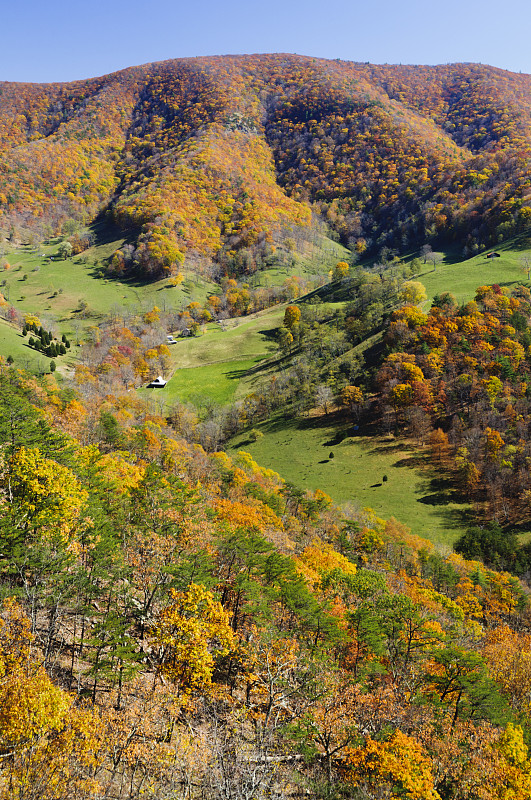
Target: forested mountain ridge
202,158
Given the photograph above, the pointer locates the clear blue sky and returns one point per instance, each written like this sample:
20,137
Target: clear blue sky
62,41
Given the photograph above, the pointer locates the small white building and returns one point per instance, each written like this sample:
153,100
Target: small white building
158,383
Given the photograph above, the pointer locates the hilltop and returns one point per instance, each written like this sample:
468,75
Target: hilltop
211,161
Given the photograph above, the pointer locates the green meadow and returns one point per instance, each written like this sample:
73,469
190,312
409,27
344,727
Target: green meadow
13,344
228,360
223,363
213,384
37,281
462,277
319,453
74,294
314,258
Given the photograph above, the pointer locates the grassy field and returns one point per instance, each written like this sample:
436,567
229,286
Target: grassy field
314,258
413,492
238,338
219,366
36,281
207,385
463,277
54,289
12,344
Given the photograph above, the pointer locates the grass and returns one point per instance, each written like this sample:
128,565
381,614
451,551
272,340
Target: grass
463,277
314,258
13,344
414,492
213,384
220,365
238,338
54,289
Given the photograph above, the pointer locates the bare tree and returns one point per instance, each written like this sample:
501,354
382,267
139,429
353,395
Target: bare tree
425,252
525,264
324,397
435,259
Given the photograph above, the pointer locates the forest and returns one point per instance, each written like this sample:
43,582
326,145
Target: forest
208,160
183,624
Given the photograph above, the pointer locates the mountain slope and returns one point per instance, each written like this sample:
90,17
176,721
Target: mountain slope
200,158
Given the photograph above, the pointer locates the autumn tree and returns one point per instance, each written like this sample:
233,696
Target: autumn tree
341,270
189,635
292,317
351,397
413,292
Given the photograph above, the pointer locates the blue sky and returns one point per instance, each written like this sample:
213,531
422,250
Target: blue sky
63,41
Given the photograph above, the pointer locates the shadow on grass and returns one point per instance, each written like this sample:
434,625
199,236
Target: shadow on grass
521,528
520,242
335,420
438,499
411,461
391,447
458,518
263,364
237,374
270,334
337,439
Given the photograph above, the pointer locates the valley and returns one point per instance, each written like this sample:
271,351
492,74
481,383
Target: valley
300,565
234,358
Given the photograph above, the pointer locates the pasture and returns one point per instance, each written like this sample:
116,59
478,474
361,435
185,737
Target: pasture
328,454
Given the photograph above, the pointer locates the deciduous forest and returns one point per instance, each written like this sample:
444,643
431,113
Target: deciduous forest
207,157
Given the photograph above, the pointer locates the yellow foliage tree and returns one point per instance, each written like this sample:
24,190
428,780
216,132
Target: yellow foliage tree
48,747
44,497
189,635
292,316
413,292
399,767
341,270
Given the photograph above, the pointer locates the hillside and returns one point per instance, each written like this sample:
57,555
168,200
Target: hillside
178,625
214,159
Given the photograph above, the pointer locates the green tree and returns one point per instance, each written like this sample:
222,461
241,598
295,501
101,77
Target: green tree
64,250
458,681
